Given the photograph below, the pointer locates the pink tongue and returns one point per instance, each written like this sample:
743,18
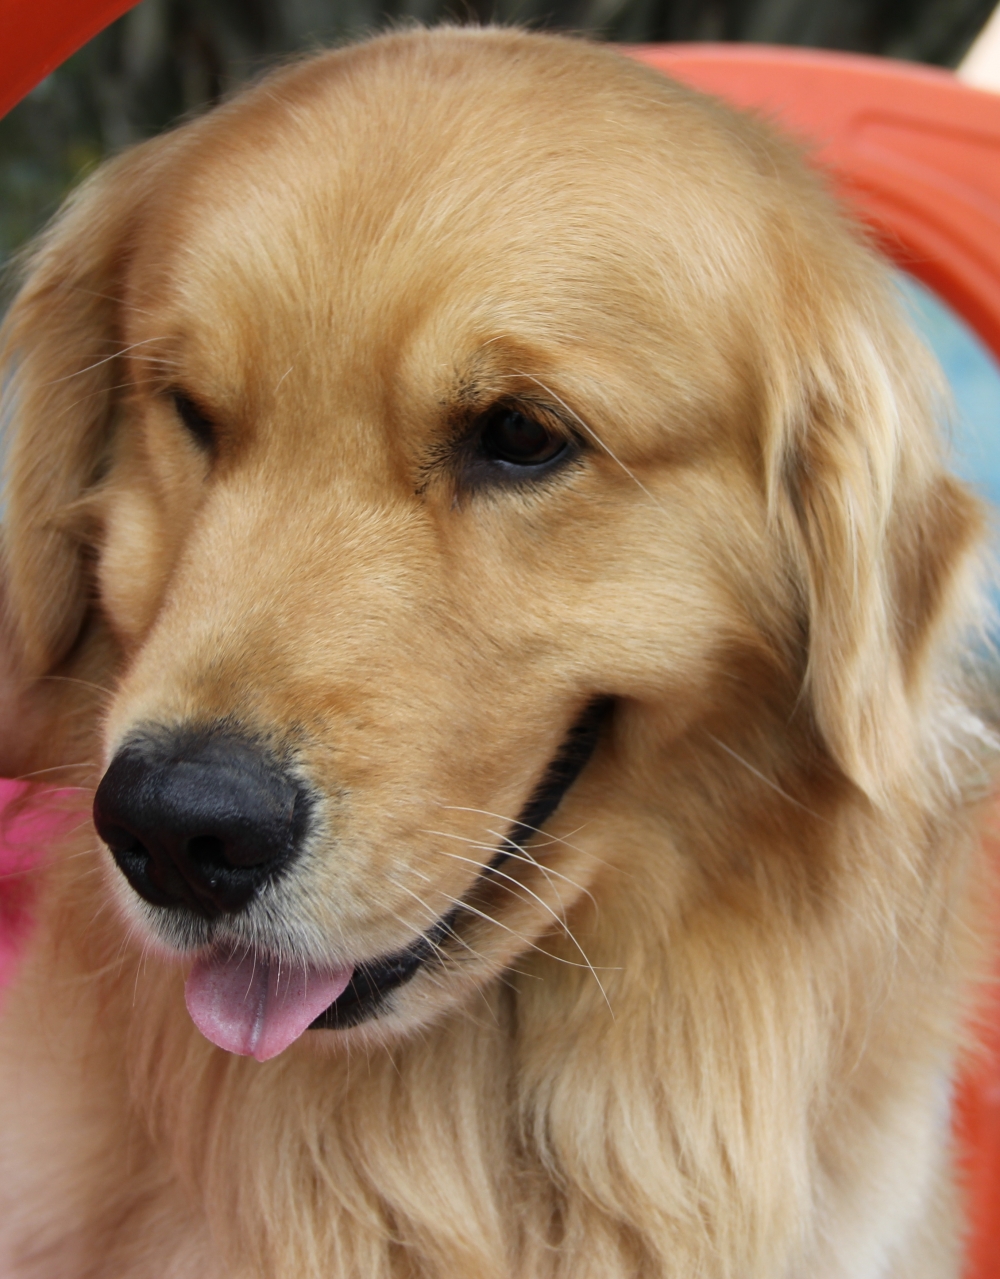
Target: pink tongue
254,1007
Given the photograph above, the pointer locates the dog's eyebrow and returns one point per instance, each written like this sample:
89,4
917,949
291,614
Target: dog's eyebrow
595,437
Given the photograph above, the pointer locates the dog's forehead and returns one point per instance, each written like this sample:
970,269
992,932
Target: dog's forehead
361,204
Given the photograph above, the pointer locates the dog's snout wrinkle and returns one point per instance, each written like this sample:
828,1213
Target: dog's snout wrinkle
200,819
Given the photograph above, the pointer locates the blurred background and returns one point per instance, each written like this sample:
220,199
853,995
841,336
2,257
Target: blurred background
168,58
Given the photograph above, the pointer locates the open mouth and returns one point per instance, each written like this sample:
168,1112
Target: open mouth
254,1007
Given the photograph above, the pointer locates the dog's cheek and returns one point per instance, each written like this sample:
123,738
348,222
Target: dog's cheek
136,555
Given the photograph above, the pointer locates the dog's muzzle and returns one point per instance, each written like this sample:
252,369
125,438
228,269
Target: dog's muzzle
204,818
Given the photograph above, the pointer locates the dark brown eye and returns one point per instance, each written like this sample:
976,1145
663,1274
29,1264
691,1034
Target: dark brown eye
193,418
511,437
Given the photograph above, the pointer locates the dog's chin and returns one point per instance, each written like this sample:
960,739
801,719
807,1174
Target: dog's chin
254,989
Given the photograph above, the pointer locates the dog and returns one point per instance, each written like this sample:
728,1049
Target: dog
477,533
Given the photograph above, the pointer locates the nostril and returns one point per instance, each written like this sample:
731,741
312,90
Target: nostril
208,851
151,879
123,843
134,862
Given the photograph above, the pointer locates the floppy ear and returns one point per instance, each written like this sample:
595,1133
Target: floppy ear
59,343
882,535
20,713
58,370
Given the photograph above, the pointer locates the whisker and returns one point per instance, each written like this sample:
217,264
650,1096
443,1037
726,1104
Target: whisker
55,790
55,768
514,821
455,936
596,438
474,910
139,968
545,906
109,297
495,870
434,917
519,853
73,679
766,780
107,360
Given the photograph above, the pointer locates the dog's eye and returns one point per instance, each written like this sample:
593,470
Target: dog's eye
193,418
509,436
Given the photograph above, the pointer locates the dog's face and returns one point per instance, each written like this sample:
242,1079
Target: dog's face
453,384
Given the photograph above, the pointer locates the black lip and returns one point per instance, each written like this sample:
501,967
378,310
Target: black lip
373,982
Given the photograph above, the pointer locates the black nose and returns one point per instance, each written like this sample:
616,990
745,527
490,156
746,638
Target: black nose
199,818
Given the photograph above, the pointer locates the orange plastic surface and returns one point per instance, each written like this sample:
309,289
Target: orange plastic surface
912,150
917,156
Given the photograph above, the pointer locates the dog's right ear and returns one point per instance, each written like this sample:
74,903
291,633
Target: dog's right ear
58,349
59,369
22,709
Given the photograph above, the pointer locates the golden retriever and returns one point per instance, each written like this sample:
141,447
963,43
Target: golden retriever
477,528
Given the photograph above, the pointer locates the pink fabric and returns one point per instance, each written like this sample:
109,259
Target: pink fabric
26,829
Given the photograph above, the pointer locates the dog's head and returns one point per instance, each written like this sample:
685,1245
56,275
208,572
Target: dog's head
431,439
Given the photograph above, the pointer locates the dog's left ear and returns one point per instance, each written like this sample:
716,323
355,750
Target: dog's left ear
882,536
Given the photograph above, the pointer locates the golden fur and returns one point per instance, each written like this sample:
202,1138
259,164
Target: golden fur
707,1024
